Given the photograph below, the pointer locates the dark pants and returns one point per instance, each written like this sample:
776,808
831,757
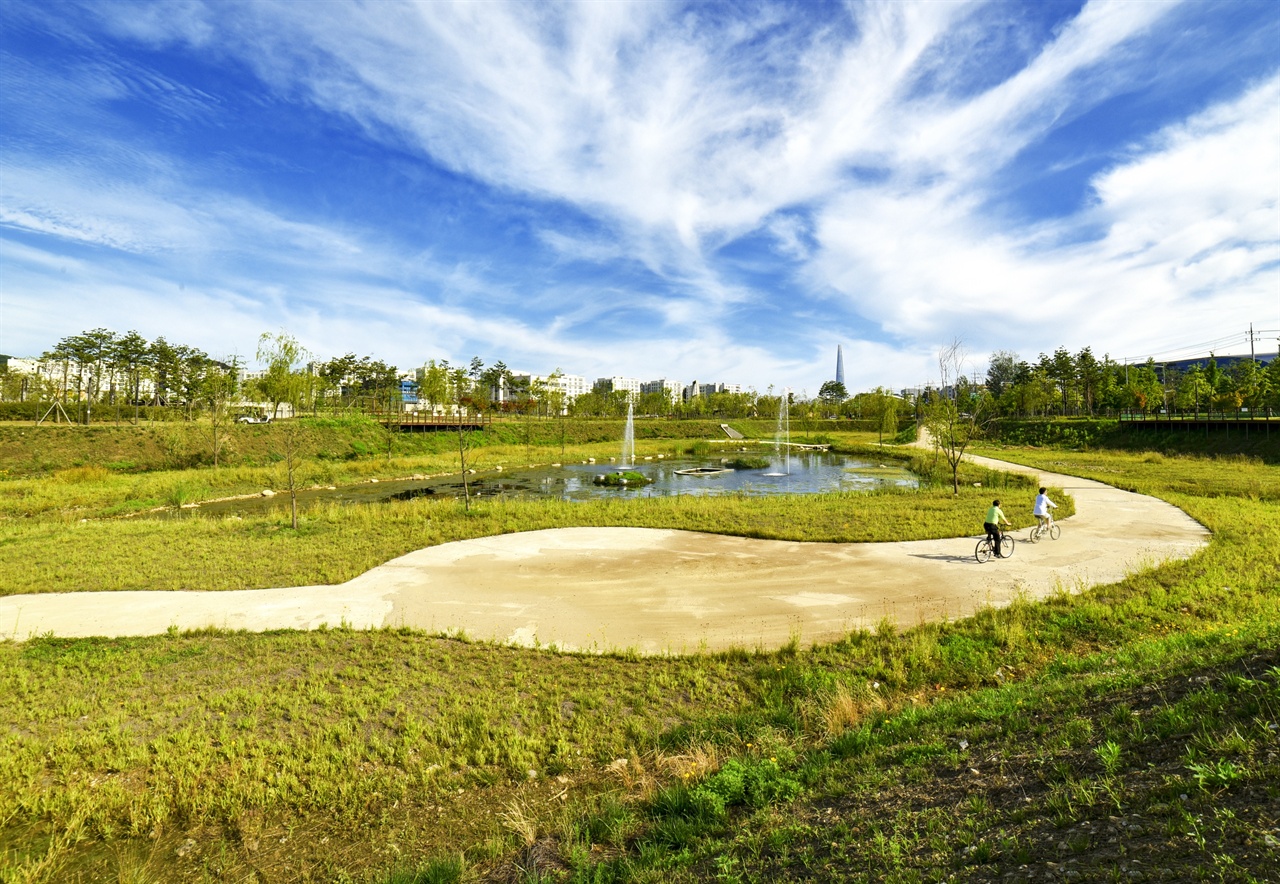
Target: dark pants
993,532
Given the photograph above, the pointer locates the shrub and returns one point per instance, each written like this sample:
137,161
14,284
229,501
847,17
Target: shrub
699,448
748,782
81,475
627,478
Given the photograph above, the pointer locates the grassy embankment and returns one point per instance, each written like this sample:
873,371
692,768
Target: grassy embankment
1132,723
27,450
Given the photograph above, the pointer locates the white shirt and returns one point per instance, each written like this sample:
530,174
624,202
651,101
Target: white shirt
1043,504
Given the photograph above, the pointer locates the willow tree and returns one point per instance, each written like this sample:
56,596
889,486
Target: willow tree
281,383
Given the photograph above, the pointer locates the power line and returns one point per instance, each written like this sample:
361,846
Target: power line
1186,351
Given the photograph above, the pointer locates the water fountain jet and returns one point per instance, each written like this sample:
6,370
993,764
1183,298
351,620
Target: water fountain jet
782,437
629,438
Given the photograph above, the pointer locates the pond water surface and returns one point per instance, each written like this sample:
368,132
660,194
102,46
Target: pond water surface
808,472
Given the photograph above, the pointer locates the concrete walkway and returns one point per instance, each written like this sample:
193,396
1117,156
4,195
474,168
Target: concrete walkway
656,591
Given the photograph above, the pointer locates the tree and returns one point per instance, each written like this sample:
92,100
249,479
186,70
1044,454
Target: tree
882,407
1193,390
162,359
478,394
434,386
1089,374
21,386
555,397
1271,385
1061,369
1002,372
460,384
61,354
131,356
1144,390
336,376
191,366
1110,385
832,393
88,352
951,428
1247,378
280,383
290,439
494,381
218,388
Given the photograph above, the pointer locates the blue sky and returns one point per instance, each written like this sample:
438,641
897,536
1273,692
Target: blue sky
710,191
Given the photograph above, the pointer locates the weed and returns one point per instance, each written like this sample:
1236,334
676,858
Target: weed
1108,755
448,870
81,475
1219,774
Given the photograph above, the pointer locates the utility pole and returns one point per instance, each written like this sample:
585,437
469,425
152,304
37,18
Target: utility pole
1251,355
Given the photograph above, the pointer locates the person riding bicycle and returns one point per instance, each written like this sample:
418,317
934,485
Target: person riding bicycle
995,516
1041,511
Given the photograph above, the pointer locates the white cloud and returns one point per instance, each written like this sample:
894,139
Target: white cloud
676,134
1192,238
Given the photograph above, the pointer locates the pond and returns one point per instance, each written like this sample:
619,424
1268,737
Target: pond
808,472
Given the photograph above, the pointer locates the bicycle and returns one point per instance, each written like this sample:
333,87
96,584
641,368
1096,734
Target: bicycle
984,550
1052,530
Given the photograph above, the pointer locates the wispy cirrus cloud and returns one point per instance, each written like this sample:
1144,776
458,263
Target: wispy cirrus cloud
1184,211
710,186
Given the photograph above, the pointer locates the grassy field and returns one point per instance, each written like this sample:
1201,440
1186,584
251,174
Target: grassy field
69,532
1129,729
28,450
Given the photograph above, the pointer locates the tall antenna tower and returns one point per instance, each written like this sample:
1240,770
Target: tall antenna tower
839,365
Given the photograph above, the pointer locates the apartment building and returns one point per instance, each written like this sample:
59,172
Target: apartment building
673,390
696,389
630,386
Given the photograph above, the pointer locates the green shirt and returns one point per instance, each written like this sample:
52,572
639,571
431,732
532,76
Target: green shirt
995,515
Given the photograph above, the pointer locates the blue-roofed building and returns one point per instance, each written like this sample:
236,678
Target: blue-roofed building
409,391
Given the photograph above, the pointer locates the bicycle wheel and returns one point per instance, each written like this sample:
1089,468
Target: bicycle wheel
983,552
1006,546
1054,531
1034,534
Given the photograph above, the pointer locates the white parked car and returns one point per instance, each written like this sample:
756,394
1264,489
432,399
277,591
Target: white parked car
253,419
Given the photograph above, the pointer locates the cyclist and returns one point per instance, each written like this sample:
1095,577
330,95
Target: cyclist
1041,511
995,516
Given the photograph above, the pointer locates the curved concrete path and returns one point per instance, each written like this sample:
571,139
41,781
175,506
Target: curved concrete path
656,591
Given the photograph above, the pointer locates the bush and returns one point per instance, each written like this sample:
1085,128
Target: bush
752,783
628,478
21,411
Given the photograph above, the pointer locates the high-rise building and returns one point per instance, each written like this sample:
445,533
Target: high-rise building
695,389
630,386
671,389
839,365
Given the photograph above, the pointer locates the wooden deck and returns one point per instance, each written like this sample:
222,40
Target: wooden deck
1230,422
429,423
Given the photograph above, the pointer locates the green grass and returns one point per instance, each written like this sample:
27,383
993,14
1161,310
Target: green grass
63,533
1140,711
335,543
30,451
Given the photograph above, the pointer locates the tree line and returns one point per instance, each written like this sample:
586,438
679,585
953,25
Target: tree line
101,368
132,376
1080,384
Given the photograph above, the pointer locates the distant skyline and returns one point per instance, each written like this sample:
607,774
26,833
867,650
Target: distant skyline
719,191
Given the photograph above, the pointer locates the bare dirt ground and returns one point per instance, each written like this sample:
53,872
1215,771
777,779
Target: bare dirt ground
657,591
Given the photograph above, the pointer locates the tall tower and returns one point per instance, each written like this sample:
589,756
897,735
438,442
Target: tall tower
839,364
